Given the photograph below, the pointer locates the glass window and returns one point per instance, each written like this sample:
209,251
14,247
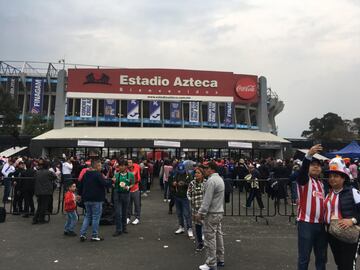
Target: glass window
241,116
253,117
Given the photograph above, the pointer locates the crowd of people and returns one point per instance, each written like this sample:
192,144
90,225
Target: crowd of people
197,189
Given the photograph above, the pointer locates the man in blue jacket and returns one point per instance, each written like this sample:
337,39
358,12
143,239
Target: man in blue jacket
92,191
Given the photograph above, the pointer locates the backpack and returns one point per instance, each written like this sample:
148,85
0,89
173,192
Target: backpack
2,214
272,188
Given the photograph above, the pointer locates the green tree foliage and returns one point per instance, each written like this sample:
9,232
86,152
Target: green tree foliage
331,127
9,114
35,125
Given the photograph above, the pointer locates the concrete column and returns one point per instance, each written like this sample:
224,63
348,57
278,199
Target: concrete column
59,119
24,108
262,110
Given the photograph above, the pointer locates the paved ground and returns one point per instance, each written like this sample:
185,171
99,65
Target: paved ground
249,244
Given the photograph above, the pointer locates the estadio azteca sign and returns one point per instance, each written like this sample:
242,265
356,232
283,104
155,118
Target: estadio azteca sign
162,84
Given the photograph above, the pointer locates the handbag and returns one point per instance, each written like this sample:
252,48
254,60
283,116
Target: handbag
349,235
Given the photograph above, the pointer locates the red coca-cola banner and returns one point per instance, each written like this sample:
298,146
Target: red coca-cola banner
162,84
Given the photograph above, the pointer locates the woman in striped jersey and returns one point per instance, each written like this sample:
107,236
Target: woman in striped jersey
342,203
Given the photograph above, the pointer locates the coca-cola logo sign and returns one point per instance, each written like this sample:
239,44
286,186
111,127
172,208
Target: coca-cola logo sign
246,88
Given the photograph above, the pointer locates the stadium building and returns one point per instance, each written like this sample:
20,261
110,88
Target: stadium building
154,113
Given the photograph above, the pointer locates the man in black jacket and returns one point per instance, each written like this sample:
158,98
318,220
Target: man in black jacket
44,187
92,191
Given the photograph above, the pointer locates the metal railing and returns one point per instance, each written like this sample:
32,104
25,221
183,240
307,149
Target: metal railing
261,198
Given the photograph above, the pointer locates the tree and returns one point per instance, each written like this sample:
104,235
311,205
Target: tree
356,122
35,124
9,114
330,127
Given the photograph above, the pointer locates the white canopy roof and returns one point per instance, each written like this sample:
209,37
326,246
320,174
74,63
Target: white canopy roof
137,133
12,151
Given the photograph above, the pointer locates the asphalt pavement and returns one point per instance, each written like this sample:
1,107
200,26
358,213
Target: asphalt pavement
150,245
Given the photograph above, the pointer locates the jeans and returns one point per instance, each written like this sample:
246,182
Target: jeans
198,231
121,203
255,193
93,211
183,212
7,188
144,184
214,242
134,199
294,194
166,190
312,235
71,221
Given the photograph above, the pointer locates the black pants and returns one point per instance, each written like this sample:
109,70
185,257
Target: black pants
18,200
345,254
121,203
29,202
43,207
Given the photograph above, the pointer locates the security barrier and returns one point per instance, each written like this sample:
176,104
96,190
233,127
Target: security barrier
261,198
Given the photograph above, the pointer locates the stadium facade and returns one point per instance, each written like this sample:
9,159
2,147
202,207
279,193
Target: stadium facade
145,112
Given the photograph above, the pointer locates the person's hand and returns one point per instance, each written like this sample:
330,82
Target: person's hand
315,149
78,198
345,223
198,217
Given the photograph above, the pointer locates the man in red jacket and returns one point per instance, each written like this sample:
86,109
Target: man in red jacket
134,193
70,209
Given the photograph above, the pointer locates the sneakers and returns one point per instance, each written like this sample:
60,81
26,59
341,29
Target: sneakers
135,222
116,234
96,239
70,233
190,233
82,238
165,200
180,230
221,264
128,221
200,247
206,267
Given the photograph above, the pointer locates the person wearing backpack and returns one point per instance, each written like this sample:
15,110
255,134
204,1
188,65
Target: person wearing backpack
124,181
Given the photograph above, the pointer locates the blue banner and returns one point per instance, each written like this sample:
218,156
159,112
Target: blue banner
228,113
194,112
155,110
133,109
86,107
175,111
36,95
212,109
109,108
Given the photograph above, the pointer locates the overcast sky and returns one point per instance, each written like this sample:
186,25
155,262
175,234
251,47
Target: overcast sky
308,50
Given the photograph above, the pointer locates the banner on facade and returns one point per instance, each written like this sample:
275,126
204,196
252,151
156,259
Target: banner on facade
86,107
109,108
194,112
155,110
36,95
228,113
212,108
133,109
175,111
66,106
12,86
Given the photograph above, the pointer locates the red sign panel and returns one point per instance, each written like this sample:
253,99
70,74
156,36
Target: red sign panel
162,84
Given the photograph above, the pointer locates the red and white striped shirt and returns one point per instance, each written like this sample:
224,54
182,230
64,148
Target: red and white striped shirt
311,201
332,207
